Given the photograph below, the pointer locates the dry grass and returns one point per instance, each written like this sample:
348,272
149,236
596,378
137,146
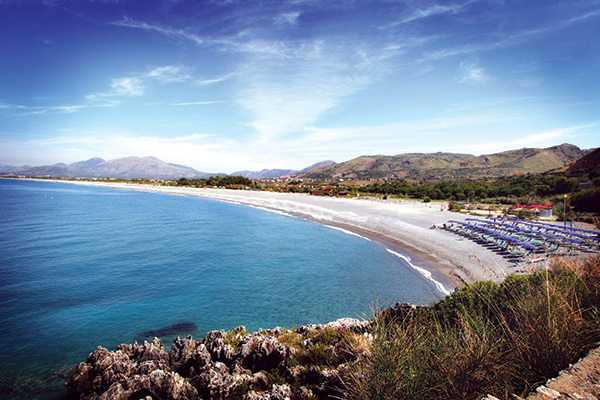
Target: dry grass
484,339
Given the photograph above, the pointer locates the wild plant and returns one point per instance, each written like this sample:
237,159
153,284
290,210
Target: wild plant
484,339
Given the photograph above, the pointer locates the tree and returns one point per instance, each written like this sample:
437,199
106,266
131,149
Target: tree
587,201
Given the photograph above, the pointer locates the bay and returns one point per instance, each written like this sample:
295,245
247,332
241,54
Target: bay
85,266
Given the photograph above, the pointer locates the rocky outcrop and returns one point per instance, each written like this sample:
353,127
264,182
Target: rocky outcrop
275,364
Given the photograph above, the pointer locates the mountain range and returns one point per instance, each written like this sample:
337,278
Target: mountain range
126,168
409,166
450,165
586,165
276,173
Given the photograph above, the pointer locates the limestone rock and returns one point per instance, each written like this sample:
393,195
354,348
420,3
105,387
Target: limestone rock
222,365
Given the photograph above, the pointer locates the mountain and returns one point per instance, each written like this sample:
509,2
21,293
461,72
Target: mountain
12,170
450,165
127,168
410,166
276,173
265,173
318,166
588,164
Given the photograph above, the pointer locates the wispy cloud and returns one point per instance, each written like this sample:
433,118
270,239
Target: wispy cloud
23,111
212,81
168,74
129,86
213,150
539,140
472,73
497,36
543,137
288,18
168,31
195,103
288,83
195,137
432,11
583,17
284,103
136,84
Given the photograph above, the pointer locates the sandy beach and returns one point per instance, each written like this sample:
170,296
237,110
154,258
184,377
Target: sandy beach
402,226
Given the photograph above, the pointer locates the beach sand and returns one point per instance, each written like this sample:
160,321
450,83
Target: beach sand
402,226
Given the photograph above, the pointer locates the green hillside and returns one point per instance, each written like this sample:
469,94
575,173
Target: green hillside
450,165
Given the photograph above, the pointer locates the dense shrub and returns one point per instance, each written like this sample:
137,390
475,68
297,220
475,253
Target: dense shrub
484,339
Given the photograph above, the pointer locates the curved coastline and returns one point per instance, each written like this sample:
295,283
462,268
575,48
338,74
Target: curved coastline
403,227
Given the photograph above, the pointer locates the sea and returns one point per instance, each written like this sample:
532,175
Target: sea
84,266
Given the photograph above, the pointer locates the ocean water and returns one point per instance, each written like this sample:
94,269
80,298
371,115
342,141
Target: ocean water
87,266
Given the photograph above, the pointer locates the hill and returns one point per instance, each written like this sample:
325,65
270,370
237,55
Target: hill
126,168
450,165
276,173
265,173
588,164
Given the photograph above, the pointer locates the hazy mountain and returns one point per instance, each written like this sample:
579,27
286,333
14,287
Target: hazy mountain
265,173
450,165
11,169
128,168
410,165
276,173
318,166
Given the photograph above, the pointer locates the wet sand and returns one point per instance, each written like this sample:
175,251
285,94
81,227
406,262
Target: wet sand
401,225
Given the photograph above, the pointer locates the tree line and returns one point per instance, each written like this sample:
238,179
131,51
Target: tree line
506,188
219,181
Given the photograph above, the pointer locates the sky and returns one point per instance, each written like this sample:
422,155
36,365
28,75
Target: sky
223,86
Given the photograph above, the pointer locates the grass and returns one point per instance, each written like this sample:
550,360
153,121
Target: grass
484,339
234,337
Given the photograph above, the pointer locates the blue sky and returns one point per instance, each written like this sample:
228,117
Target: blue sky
228,85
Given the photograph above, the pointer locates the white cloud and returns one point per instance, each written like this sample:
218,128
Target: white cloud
286,84
216,153
205,152
127,87
543,137
137,84
289,18
168,74
283,106
194,136
288,87
472,73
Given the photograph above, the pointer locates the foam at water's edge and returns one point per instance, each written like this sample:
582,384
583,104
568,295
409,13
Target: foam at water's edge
423,272
347,232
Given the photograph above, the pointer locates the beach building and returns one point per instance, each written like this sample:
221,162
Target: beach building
537,209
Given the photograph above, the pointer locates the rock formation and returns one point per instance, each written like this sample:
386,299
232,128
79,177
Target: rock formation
276,364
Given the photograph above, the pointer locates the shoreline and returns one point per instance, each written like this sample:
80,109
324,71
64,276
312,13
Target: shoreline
401,226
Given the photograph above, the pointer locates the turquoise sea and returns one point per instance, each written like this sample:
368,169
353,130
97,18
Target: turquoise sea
86,266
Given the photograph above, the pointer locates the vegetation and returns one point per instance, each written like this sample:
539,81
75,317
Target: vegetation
219,181
547,189
484,339
427,183
505,189
450,165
